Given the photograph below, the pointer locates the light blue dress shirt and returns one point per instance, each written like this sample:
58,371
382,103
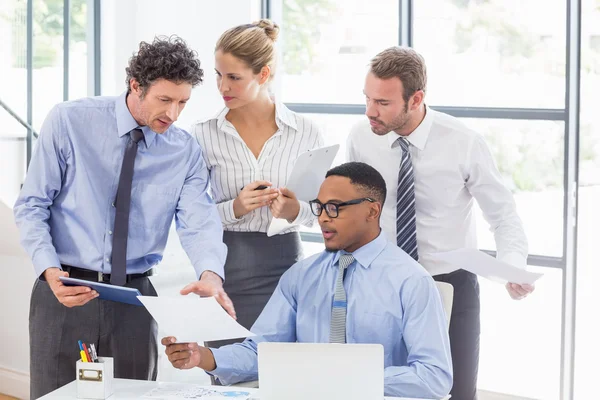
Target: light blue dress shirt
65,211
392,301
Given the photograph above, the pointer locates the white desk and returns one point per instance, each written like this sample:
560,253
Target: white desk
134,389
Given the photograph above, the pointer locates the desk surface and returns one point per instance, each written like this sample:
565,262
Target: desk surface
134,389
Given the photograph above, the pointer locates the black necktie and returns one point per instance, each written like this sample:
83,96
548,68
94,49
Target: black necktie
122,205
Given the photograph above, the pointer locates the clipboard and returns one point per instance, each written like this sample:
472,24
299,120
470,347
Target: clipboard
305,179
107,292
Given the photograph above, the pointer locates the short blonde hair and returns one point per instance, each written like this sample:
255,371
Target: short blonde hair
252,43
403,63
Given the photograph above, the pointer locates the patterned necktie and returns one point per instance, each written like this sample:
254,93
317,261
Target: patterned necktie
406,219
337,331
122,205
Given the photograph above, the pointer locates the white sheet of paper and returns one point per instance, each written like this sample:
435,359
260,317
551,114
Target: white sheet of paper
484,265
305,179
9,239
192,318
173,391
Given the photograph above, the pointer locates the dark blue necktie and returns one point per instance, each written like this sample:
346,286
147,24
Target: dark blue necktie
406,218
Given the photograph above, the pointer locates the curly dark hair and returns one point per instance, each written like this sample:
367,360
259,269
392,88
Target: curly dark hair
366,178
166,57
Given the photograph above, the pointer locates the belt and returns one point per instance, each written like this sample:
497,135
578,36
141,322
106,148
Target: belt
96,276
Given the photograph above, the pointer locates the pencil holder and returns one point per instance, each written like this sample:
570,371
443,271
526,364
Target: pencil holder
95,380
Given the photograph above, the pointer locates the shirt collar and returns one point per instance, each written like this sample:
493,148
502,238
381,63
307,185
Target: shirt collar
283,115
220,117
366,254
418,137
126,123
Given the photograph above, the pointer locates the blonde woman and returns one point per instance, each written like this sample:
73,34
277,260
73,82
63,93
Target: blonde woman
250,148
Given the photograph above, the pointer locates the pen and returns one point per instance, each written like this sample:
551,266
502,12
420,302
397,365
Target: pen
94,354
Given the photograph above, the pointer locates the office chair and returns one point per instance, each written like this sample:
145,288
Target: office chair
447,294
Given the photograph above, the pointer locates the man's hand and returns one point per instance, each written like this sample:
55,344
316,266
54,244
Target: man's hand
286,205
518,292
188,355
250,198
211,284
69,296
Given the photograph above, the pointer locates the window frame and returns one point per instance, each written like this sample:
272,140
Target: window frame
569,115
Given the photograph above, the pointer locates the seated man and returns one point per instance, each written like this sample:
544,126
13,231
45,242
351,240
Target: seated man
362,289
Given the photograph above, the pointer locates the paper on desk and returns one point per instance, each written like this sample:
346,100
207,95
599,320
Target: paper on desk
9,236
173,391
484,265
192,318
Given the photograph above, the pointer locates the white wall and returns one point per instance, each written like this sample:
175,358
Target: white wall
124,25
15,288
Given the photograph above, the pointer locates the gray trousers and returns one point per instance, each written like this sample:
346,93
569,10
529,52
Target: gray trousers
122,331
255,262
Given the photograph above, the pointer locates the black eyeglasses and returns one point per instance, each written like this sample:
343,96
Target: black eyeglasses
333,209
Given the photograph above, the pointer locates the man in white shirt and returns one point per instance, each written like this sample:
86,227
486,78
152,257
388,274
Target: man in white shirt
434,166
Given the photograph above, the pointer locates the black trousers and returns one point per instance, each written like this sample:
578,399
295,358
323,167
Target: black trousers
122,331
464,332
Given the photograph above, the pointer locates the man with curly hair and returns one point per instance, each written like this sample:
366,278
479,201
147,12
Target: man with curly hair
106,179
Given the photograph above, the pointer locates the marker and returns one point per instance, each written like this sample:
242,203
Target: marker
81,351
87,354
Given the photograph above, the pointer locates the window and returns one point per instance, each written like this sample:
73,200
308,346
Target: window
501,66
49,68
587,351
327,44
498,53
520,340
530,157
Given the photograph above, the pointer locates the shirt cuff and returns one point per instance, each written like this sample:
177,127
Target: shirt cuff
43,260
514,259
223,363
226,213
305,215
217,270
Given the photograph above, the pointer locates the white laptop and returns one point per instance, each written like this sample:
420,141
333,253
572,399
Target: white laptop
320,371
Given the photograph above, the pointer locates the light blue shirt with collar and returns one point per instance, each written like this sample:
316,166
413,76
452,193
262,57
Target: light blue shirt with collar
65,210
392,301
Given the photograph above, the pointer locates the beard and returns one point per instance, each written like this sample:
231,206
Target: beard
396,124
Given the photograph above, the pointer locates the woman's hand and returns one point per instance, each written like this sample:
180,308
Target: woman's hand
252,197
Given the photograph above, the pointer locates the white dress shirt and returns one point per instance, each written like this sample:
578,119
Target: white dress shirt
232,165
452,165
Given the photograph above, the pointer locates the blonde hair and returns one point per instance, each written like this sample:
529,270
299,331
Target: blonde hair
403,63
252,43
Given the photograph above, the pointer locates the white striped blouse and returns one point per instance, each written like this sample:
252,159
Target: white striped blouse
232,165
